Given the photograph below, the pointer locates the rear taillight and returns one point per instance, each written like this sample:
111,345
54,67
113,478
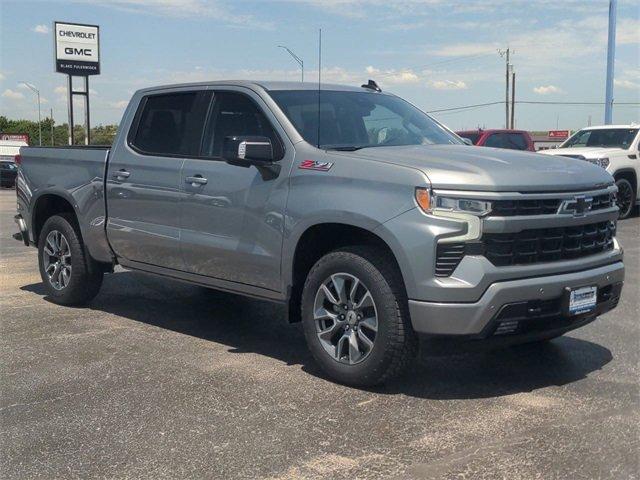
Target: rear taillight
17,159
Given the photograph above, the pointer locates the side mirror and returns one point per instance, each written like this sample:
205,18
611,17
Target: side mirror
467,141
245,150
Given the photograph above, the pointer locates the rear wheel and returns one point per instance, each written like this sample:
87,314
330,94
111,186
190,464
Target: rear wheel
355,316
69,275
626,197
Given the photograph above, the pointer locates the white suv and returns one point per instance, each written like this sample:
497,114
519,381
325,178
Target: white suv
616,149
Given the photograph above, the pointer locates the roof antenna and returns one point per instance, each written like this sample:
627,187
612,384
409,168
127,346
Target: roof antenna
372,85
319,78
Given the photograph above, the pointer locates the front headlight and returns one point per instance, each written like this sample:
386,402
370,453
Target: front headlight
601,162
431,203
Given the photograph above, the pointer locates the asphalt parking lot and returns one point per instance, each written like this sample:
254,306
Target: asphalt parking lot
157,379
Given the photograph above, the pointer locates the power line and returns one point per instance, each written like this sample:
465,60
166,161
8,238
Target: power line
443,62
573,103
466,107
528,102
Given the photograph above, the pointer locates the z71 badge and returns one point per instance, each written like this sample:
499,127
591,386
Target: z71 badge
313,165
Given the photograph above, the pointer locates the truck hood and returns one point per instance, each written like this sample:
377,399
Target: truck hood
586,152
461,167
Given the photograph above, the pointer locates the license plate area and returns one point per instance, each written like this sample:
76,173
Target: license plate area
580,300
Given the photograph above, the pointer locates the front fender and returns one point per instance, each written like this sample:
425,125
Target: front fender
295,232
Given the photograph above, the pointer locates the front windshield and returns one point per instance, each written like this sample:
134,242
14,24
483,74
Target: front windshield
605,137
351,120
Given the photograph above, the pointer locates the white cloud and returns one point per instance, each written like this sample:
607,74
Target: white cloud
447,84
121,104
628,31
624,83
464,49
12,94
547,89
569,45
1,76
186,8
393,76
42,28
329,75
60,90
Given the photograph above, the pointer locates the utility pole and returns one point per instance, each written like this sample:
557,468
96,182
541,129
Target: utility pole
611,58
296,58
505,54
52,127
513,100
37,92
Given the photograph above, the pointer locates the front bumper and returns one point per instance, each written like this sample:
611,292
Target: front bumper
532,303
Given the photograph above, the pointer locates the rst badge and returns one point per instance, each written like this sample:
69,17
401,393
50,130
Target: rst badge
315,165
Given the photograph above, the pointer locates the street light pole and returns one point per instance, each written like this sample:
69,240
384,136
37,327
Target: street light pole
611,58
296,58
37,92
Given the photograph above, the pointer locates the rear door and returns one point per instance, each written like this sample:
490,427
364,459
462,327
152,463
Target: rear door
143,179
232,216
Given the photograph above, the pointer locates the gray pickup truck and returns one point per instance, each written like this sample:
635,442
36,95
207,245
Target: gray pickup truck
371,221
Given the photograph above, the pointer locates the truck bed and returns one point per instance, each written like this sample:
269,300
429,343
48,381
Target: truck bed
74,173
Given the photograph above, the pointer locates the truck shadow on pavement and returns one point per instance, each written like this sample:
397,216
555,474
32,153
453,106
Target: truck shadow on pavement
245,325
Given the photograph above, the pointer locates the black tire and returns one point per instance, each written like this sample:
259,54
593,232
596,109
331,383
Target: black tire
395,343
626,198
85,277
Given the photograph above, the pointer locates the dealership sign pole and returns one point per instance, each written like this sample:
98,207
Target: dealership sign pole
77,53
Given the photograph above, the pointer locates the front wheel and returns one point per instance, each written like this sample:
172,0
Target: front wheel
355,316
69,275
626,197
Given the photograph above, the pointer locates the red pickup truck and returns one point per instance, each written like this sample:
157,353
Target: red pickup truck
511,139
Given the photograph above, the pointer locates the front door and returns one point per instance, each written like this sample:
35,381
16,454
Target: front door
143,180
232,217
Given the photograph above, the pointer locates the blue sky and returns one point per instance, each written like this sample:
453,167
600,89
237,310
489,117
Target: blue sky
436,53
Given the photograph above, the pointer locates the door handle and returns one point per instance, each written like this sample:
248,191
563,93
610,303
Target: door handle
196,180
121,174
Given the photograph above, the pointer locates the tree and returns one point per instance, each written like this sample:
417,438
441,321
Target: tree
100,135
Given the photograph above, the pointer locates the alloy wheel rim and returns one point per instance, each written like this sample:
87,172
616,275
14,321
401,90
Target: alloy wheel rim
346,318
624,198
57,260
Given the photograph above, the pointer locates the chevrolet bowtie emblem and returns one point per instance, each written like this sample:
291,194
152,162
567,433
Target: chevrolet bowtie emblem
578,206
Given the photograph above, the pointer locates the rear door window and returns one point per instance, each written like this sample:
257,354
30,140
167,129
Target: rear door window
517,141
171,124
512,141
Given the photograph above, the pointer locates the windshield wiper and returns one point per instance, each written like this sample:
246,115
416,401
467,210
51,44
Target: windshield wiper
348,148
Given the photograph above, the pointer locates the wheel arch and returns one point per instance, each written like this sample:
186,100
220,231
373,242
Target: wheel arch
630,174
317,240
48,205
